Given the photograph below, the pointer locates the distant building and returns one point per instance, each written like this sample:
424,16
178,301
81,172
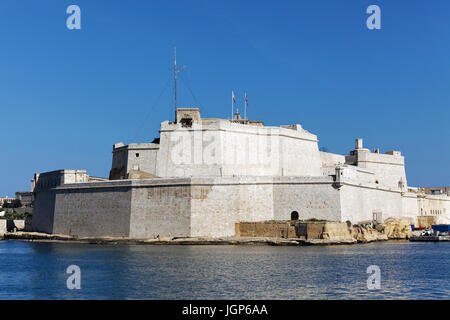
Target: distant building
6,200
437,190
26,198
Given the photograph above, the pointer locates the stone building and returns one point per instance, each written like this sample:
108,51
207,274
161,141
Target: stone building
26,198
201,176
6,200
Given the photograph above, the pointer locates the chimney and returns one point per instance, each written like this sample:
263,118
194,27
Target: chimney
359,144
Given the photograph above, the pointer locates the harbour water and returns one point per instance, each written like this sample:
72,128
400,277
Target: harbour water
33,270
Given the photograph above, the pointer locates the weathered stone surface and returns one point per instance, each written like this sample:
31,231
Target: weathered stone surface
3,226
367,234
336,232
313,232
35,236
322,242
265,229
358,233
397,228
218,147
136,174
19,224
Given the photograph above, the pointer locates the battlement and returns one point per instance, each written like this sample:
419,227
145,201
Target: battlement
52,179
136,157
360,149
389,168
224,147
186,116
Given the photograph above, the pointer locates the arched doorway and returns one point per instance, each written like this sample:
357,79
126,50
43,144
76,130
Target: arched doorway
294,215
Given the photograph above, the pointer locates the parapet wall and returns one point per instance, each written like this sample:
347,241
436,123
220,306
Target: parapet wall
133,157
114,208
178,207
211,206
389,169
218,203
46,180
330,161
265,229
215,147
160,208
365,203
310,197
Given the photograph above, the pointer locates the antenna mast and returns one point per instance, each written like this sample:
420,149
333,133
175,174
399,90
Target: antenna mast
175,71
175,75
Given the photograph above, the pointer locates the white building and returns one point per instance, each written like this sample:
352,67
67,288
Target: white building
203,175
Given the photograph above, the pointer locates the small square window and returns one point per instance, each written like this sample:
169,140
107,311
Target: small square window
137,155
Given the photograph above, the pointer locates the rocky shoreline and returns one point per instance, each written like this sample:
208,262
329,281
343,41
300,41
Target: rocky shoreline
43,237
258,233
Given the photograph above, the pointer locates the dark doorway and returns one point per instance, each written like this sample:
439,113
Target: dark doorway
294,215
186,122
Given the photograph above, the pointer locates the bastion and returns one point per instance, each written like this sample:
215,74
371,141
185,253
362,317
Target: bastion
202,176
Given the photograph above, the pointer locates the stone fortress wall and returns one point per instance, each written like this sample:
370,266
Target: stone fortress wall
204,175
133,157
217,147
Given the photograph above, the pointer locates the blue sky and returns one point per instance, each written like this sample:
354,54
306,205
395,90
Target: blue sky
66,96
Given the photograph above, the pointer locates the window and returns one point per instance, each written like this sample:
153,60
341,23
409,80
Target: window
137,155
294,215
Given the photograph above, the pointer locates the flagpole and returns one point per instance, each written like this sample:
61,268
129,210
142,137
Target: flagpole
232,104
245,109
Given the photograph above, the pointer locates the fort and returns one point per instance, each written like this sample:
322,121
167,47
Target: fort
201,177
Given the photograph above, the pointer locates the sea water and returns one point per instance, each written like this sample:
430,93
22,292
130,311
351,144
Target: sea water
38,270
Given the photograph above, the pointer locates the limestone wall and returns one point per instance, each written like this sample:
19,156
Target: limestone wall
215,147
389,169
3,227
395,228
217,204
162,210
337,232
327,231
330,161
410,206
308,230
142,157
180,207
133,157
119,162
311,197
210,206
185,152
436,205
265,229
299,153
43,211
93,209
19,224
56,178
250,150
359,203
358,174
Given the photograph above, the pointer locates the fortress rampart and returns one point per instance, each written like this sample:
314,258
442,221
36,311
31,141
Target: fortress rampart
201,176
